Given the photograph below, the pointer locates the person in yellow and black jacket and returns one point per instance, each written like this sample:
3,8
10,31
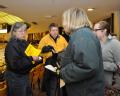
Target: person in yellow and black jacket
52,41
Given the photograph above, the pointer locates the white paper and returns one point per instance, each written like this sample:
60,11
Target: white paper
51,68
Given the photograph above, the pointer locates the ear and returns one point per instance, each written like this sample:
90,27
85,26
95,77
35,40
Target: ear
105,31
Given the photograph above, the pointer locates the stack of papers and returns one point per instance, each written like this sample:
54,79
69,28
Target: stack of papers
51,68
32,51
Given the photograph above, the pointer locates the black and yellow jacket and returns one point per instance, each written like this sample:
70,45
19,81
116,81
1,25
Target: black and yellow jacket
59,44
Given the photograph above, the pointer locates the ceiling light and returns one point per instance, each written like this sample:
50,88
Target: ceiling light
49,16
90,9
8,18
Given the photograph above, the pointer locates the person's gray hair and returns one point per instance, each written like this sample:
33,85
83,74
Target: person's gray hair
15,27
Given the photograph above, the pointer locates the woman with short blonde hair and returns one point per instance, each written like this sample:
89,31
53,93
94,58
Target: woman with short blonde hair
75,18
81,64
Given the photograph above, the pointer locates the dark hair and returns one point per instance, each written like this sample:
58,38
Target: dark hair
104,25
60,30
52,25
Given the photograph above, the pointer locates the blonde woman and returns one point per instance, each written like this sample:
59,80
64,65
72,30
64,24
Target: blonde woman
81,65
18,63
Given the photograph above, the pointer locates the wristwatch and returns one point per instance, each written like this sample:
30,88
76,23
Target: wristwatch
39,58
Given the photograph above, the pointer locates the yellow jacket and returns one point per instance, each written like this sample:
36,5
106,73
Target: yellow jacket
59,45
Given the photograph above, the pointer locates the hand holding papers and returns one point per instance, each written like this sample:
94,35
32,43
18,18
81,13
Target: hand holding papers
51,68
54,69
32,51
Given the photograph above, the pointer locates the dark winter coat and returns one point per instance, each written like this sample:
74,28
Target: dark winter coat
16,59
82,65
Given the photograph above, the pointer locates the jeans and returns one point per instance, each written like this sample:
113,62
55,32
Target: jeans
18,85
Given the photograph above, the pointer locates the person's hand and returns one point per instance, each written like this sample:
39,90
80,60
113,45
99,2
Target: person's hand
48,48
57,70
35,58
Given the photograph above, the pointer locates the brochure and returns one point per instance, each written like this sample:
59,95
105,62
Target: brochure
51,68
32,51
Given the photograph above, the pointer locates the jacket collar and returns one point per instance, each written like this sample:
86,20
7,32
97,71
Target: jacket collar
55,39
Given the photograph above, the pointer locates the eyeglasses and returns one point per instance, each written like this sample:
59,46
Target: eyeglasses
97,30
21,31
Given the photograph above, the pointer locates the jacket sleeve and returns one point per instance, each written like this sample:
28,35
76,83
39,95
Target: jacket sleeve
17,62
42,43
80,61
116,51
65,42
110,66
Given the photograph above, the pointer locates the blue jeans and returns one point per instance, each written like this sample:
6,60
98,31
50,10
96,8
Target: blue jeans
18,85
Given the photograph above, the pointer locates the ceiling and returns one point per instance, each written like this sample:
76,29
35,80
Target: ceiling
43,12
